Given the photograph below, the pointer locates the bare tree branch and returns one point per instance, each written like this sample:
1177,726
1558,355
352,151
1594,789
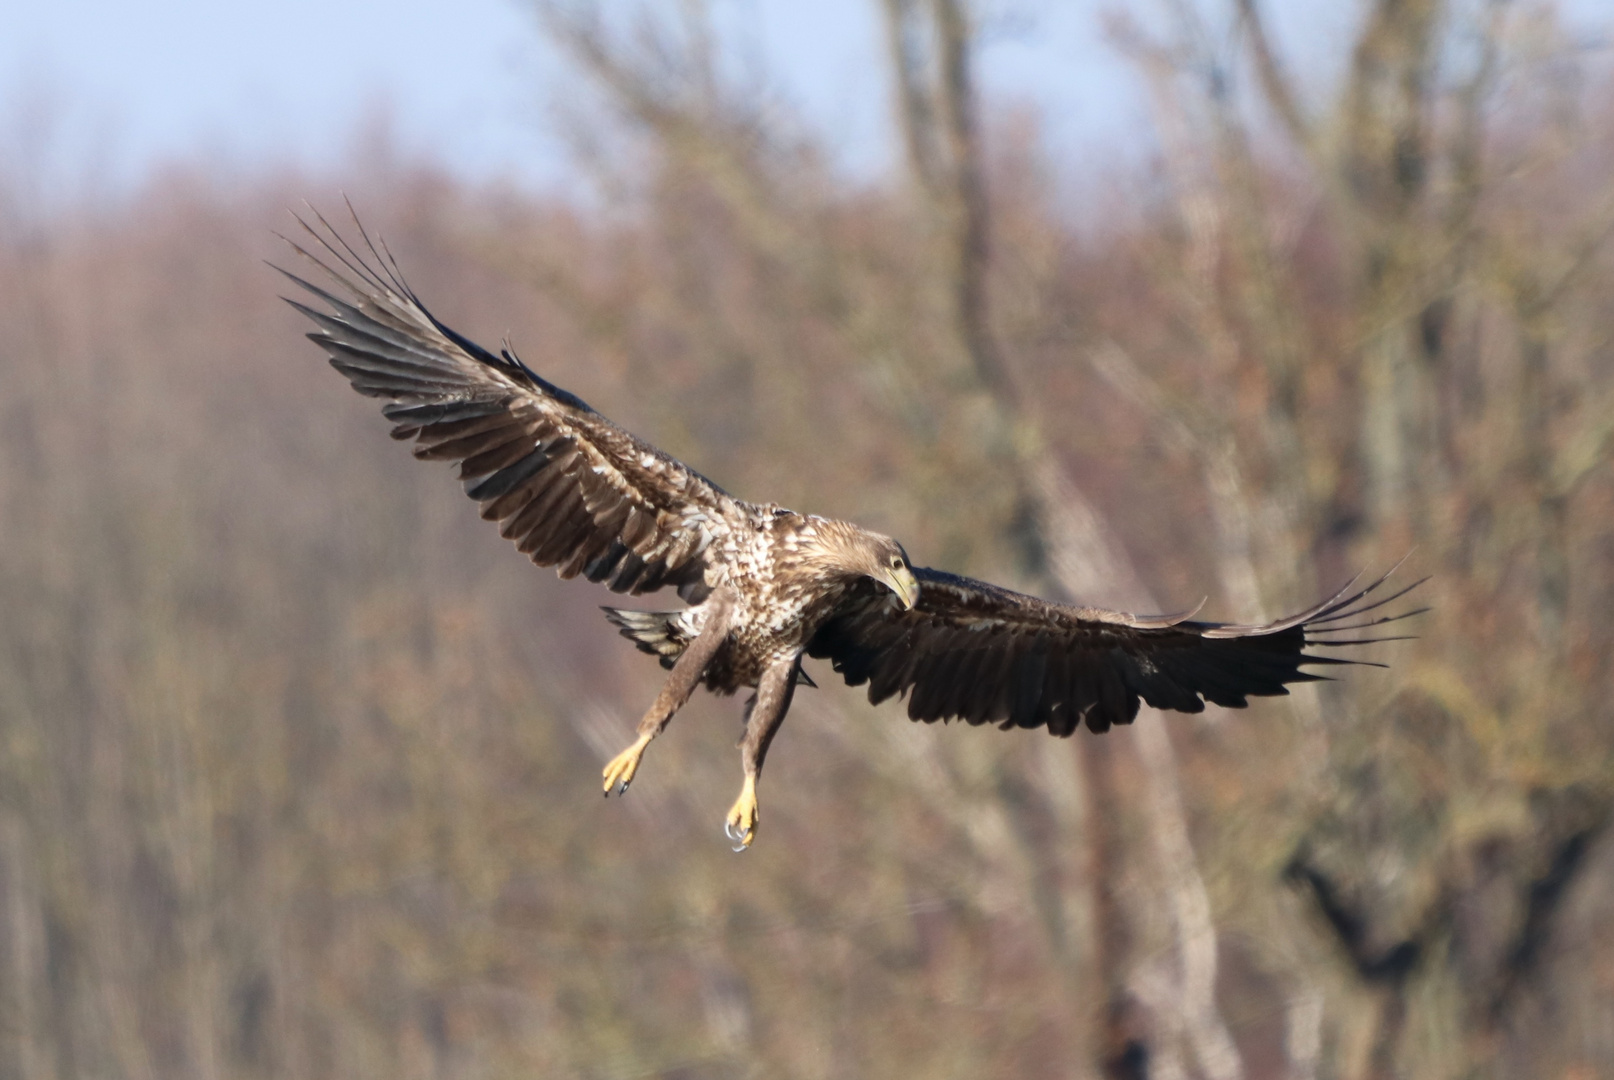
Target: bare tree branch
905,31
958,108
1275,82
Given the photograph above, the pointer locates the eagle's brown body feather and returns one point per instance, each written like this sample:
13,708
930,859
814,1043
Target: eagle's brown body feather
768,586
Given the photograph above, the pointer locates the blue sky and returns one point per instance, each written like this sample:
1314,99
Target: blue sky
252,81
247,82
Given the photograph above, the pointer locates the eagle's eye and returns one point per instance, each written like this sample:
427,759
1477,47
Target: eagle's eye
896,562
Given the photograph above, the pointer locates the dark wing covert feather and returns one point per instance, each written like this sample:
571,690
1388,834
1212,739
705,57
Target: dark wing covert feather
569,487
985,654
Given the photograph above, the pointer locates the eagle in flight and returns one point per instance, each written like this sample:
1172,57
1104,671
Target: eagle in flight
766,586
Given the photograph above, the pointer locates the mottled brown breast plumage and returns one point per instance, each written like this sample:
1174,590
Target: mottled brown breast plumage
783,595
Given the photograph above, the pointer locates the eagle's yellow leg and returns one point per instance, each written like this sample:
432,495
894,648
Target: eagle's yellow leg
685,677
741,824
764,714
619,771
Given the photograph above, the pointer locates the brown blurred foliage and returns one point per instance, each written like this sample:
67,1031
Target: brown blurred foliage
299,763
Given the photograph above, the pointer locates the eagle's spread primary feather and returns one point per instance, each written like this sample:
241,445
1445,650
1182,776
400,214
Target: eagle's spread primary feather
574,491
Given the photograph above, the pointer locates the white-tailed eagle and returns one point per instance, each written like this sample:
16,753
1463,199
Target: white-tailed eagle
766,586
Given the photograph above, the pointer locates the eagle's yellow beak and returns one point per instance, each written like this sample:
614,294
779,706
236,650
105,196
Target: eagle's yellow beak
904,584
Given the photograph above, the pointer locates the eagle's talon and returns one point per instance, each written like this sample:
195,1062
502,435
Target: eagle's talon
741,824
619,771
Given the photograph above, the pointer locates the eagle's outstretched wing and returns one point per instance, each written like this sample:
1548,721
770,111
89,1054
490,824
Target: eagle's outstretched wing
568,486
986,654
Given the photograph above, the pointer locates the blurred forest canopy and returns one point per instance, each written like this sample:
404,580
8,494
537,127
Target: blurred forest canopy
299,762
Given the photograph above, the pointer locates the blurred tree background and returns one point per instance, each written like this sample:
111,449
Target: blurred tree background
299,762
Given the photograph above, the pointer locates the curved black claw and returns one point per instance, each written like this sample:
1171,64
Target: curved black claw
737,837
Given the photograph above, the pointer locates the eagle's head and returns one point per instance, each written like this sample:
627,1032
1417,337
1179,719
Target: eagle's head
846,551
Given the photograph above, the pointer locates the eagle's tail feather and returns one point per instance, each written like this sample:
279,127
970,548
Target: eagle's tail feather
658,633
